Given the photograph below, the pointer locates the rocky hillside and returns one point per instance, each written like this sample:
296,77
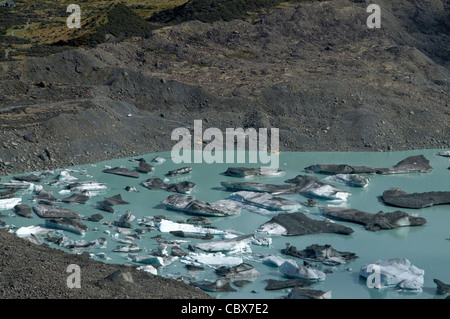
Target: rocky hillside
312,69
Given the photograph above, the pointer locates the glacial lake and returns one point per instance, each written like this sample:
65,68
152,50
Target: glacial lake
427,246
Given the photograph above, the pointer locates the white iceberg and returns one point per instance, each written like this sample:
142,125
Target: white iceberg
274,261
214,259
31,230
166,226
397,272
292,270
234,245
148,268
9,203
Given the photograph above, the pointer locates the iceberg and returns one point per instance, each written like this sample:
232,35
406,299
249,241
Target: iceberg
299,293
49,211
193,206
234,245
213,259
293,224
292,270
156,183
31,230
9,203
167,226
253,172
266,201
373,222
73,225
352,180
412,164
397,272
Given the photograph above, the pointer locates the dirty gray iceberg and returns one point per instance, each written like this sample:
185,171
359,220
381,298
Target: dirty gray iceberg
299,293
122,172
242,270
253,172
293,224
352,180
266,201
373,222
307,186
190,205
412,164
398,272
399,198
156,183
320,253
73,225
49,211
292,270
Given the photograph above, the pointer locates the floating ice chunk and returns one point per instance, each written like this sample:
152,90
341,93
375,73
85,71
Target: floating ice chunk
397,272
31,230
353,180
9,203
87,186
292,270
272,229
265,200
166,226
444,153
64,176
262,241
274,261
234,245
214,259
148,268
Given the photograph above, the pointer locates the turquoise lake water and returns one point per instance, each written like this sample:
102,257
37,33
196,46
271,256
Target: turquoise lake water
427,246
